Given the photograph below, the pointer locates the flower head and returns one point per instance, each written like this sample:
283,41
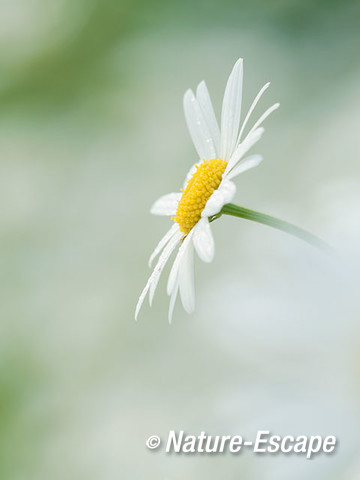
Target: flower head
208,185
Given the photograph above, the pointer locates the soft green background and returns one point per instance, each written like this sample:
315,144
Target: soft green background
91,133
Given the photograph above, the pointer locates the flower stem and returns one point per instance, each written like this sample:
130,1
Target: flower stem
247,214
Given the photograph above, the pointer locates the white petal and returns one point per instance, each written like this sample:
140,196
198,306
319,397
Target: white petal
244,165
214,204
173,299
231,110
204,241
251,109
243,148
223,195
228,190
157,270
142,298
163,242
175,268
166,205
203,97
198,128
264,116
186,279
170,247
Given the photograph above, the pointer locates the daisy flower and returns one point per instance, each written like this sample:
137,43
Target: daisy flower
208,188
208,185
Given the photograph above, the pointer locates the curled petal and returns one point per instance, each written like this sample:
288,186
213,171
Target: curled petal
251,109
243,148
176,265
168,235
173,299
223,195
154,277
244,165
264,116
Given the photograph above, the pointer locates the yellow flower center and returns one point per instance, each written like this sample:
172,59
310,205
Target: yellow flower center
199,189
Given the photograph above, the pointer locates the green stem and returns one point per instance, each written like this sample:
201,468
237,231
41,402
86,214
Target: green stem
247,214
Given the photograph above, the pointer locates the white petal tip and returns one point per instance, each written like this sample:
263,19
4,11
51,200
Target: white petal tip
188,95
153,208
202,84
259,132
189,310
207,259
169,289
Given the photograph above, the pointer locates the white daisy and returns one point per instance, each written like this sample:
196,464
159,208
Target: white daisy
208,185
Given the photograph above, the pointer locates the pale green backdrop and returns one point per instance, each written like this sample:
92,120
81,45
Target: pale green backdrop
91,133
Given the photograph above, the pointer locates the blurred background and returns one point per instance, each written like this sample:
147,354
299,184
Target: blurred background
91,133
